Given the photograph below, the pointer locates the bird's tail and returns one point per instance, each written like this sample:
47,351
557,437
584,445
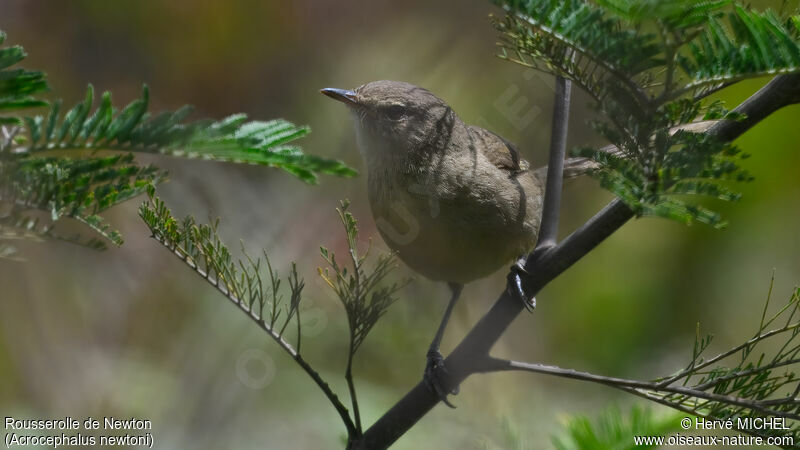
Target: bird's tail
575,167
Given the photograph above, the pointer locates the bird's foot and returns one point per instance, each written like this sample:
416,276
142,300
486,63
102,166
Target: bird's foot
516,285
437,379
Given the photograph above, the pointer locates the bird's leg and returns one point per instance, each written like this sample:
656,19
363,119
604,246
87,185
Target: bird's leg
516,284
435,376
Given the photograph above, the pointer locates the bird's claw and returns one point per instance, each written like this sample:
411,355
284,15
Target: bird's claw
516,285
436,377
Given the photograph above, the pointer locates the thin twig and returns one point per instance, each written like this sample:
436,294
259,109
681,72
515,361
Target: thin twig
695,391
351,386
725,354
657,399
270,330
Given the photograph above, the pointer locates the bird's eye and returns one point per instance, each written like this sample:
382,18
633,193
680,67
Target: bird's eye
395,112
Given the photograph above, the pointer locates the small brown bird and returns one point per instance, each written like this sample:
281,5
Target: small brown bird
455,201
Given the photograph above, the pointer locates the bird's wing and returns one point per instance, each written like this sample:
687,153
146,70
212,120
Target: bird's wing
500,152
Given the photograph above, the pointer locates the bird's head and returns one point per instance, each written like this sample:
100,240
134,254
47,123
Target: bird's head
396,119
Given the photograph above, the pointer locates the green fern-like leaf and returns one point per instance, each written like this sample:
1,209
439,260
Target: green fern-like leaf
233,139
78,188
743,44
556,33
42,182
649,65
251,283
680,13
17,86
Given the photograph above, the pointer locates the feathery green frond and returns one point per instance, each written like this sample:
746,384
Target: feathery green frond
649,65
556,33
676,13
76,188
742,44
689,164
233,139
250,283
17,86
363,293
38,175
70,187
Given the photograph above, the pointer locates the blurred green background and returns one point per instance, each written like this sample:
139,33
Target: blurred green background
132,332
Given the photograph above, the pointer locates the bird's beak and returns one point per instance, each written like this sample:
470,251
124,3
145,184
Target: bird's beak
342,95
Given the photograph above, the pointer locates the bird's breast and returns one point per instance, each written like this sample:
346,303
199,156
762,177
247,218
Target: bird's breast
454,222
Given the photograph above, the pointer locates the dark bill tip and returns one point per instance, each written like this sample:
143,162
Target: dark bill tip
342,95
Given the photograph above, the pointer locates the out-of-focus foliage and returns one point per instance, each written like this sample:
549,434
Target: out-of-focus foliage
75,188
41,184
649,65
613,430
